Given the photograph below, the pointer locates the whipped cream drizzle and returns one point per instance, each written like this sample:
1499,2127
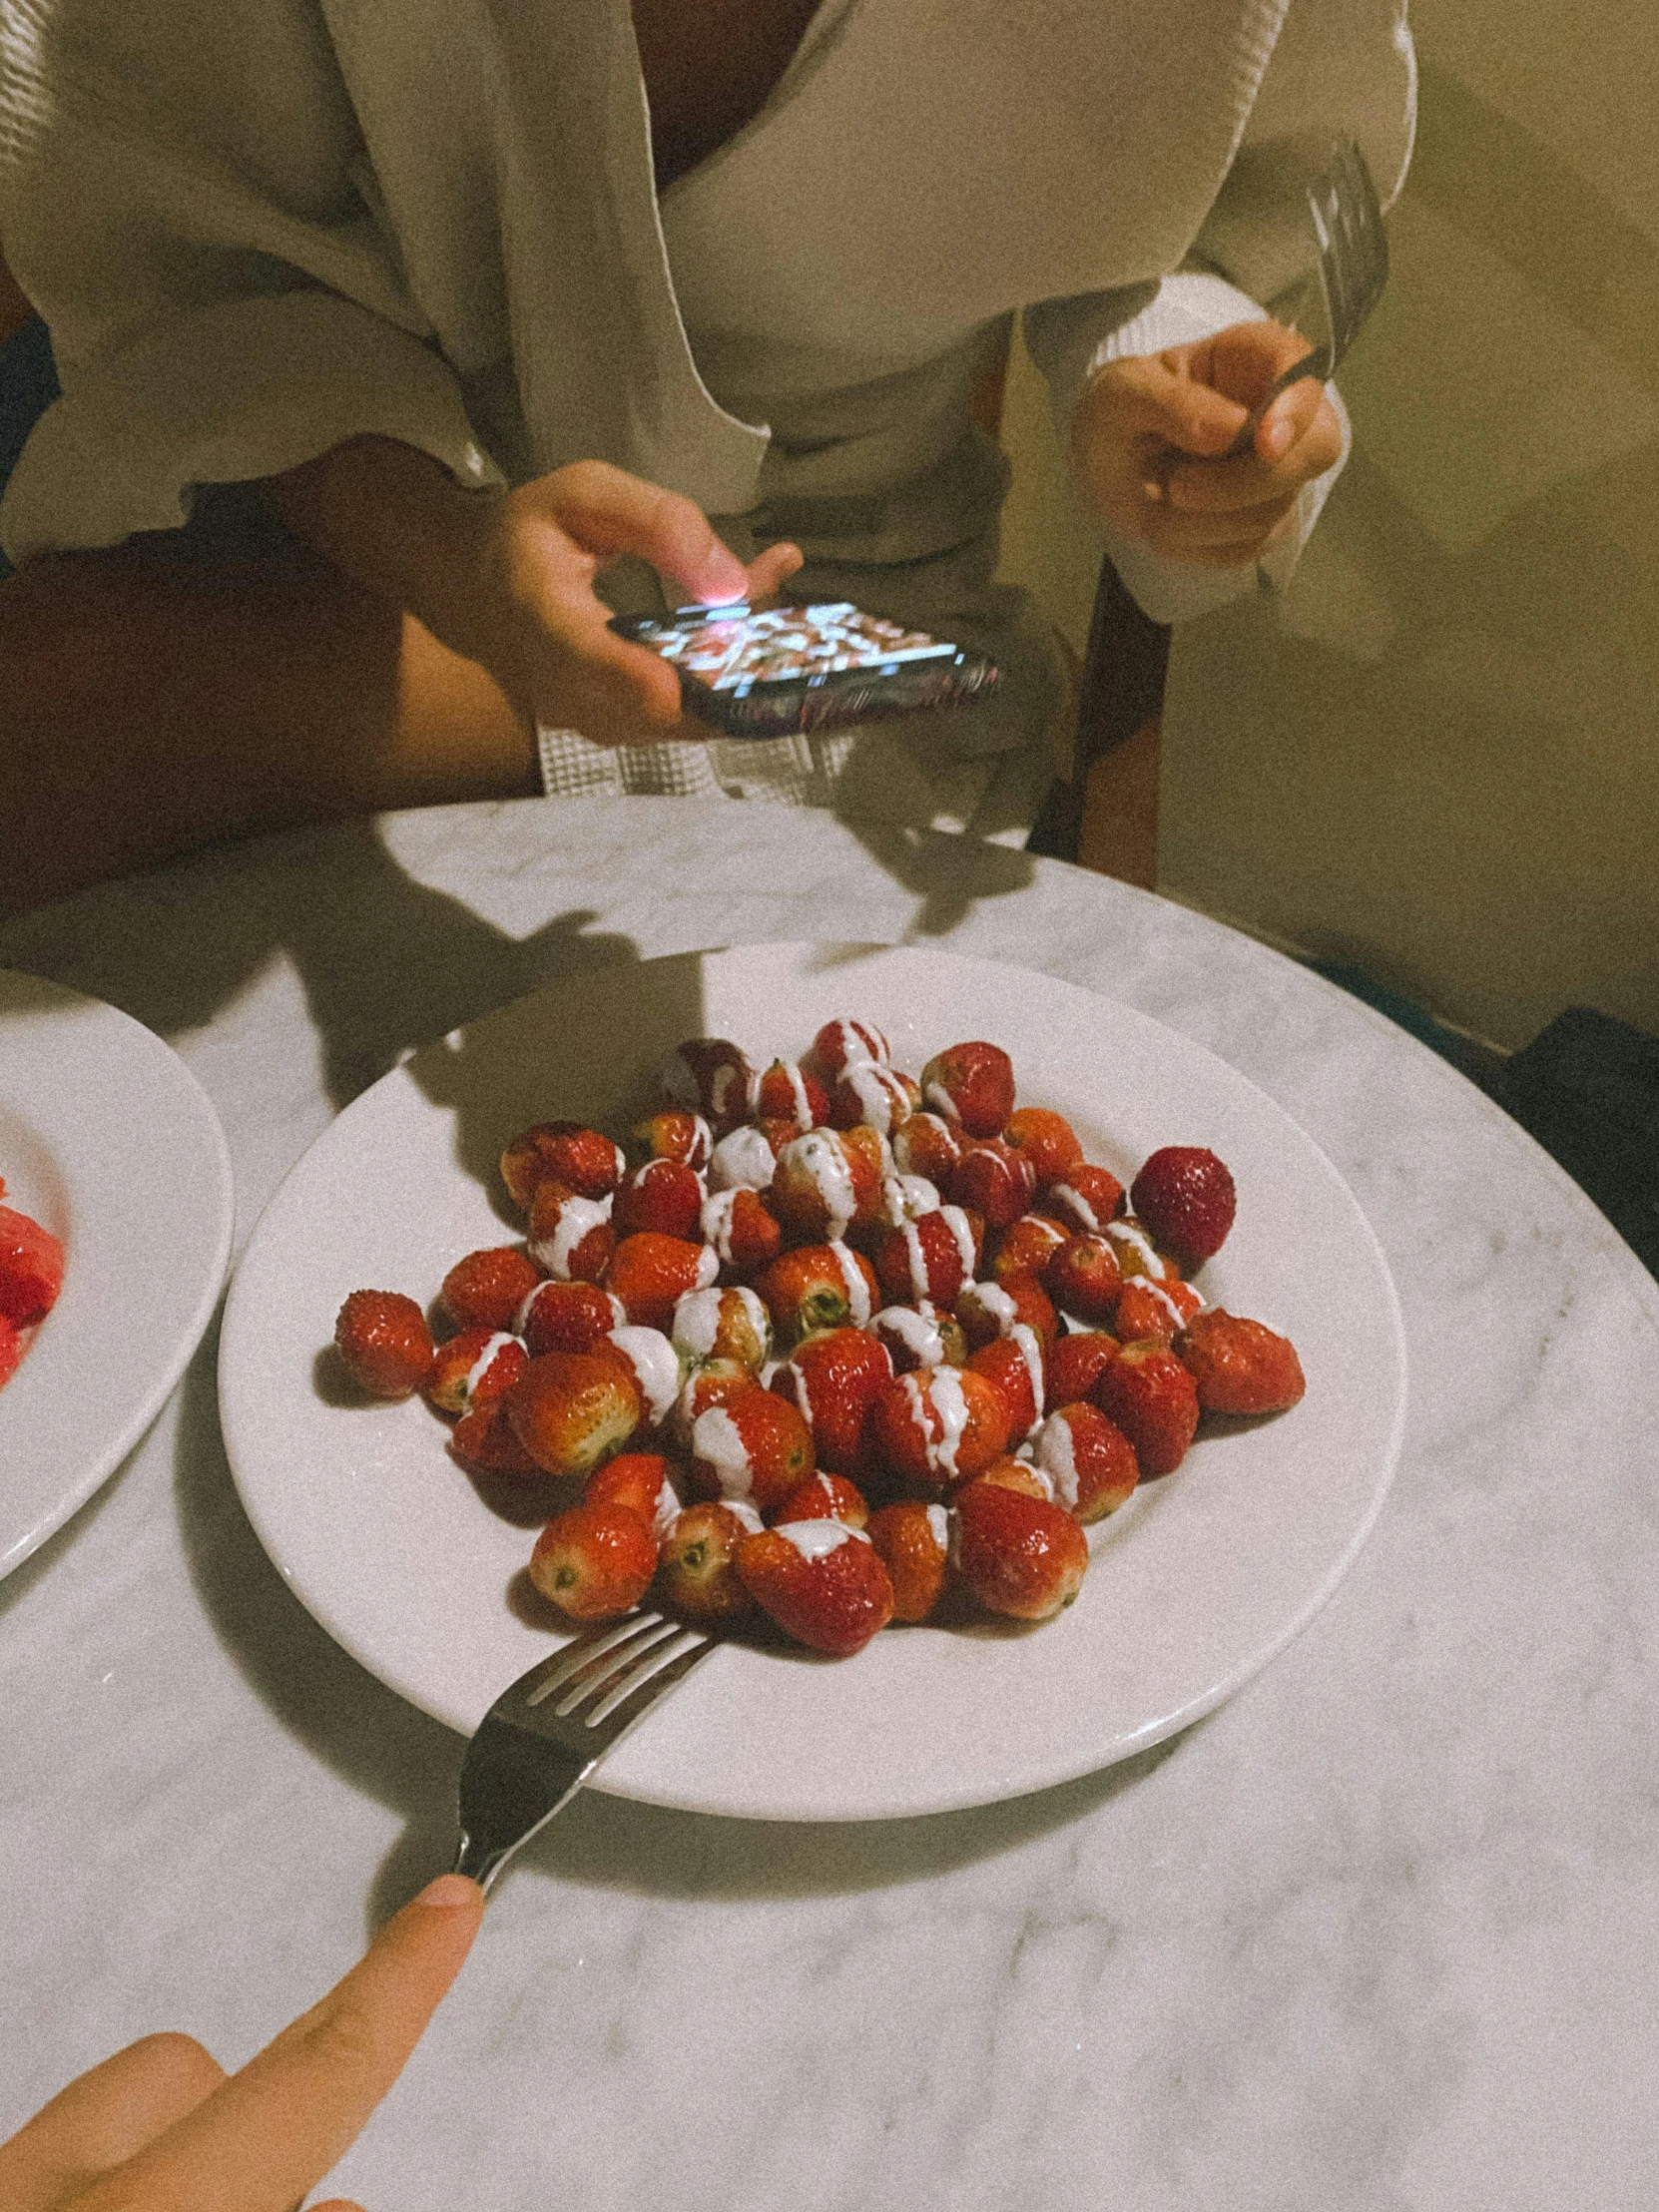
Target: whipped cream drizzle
858,1288
816,1539
820,1158
481,1366
743,1160
656,1364
1057,1457
577,1218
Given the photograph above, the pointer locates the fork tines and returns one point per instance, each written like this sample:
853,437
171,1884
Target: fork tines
603,1670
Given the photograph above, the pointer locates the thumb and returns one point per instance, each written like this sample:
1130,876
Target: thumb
1168,403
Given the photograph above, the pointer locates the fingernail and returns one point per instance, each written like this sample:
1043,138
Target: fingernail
724,577
447,1891
1277,436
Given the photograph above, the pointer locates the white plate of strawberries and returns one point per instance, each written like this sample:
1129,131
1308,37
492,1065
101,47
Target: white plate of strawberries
1000,1375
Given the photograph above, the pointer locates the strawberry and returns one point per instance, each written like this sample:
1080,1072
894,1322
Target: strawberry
474,1368
971,1084
912,1542
595,1561
1013,1367
755,1446
832,1380
878,1096
697,1575
900,1198
567,1316
712,1077
824,1179
1083,1199
665,1196
826,1285
654,1365
843,1044
987,1310
1083,1278
994,1179
1136,1252
1089,1461
740,1231
745,1158
724,1325
1239,1365
1074,1365
1047,1139
567,1151
791,1094
675,1134
11,1345
825,1497
484,1440
652,1273
1018,1555
919,1337
926,1143
1152,1399
1009,1473
1147,1309
31,1269
931,1257
641,1481
385,1341
715,1382
940,1425
1026,1246
486,1289
1187,1199
573,1409
569,1234
822,1584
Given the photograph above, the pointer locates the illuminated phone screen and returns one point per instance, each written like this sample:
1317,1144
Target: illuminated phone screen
730,649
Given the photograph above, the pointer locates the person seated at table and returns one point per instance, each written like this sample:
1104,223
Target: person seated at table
399,349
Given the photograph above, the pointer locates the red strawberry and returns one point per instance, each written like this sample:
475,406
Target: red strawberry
822,1584
1047,1140
879,1097
791,1094
1074,1365
652,1273
1019,1475
383,1337
1186,1197
1013,1367
1018,1555
1136,1252
755,1446
1083,1278
987,1310
475,1369
912,1542
31,1269
724,1325
740,1231
815,1287
1239,1365
485,1439
594,1561
931,1257
824,1179
926,1143
920,1335
567,1316
665,1196
994,1179
570,1236
1147,1309
697,1575
940,1425
567,1151
573,1409
1089,1461
825,1497
486,1289
973,1084
832,1380
715,1382
712,1077
1154,1400
641,1481
675,1134
1026,1246
842,1044
1082,1200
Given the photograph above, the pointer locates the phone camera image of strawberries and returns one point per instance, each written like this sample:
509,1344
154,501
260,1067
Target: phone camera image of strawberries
1013,1367
711,1076
675,1134
791,1094
1075,1362
1082,1201
1239,1365
842,1044
568,1152
1187,1199
827,1286
912,1542
741,1230
572,1410
821,1583
643,1481
567,1316
1026,1246
1083,1278
926,1144
651,1272
919,1337
824,1496
730,1324
930,1257
832,1380
974,1084
486,1289
1088,1459
570,1236
665,1196
697,1568
757,1447
384,1344
940,1425
474,1368
1020,1557
1154,1400
994,1179
31,1269
1145,1309
1047,1139
867,1094
987,1310
595,1562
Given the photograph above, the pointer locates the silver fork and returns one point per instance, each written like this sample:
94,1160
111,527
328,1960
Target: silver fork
1352,269
544,1736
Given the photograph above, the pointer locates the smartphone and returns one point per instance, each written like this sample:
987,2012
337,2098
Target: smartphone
806,668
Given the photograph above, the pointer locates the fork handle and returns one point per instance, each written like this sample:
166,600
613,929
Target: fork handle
1313,364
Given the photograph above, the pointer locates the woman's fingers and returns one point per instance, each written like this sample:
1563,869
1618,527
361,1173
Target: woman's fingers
270,2133
771,570
608,513
103,2119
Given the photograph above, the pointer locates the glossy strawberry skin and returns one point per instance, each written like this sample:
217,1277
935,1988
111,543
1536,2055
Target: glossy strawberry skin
1239,1365
971,1083
832,1379
1047,1140
1026,1246
568,1317
450,1384
815,1287
675,1134
568,1152
697,1574
742,1232
794,1095
987,1310
385,1341
1075,1362
834,1603
1083,1199
651,1272
845,1042
1187,1199
1088,1459
939,1427
665,1196
931,1256
484,1440
1004,1365
755,1446
570,1236
571,1410
1154,1400
1083,1278
641,1481
995,1180
824,1496
928,1145
1147,1310
907,1539
595,1562
1020,1557
880,1098
486,1289
31,1269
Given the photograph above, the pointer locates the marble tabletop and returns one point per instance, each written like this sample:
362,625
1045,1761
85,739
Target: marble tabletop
1377,1934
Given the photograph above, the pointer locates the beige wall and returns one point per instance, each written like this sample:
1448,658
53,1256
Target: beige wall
1438,755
